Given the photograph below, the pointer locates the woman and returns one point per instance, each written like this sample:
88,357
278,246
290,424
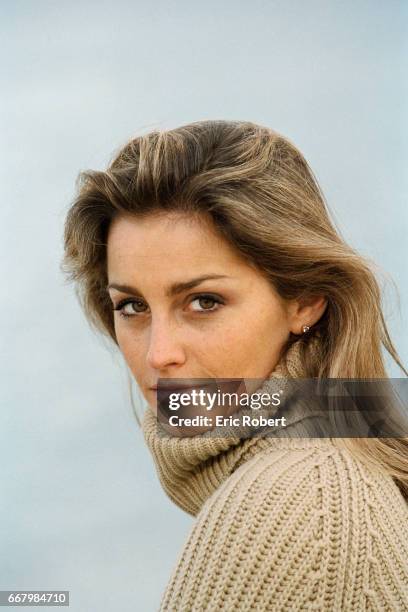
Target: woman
207,252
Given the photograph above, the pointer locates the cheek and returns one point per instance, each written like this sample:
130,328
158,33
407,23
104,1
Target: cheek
257,323
256,339
129,347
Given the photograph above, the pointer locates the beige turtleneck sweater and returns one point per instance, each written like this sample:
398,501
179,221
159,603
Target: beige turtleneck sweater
283,523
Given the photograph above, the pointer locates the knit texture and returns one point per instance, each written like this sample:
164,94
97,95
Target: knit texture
283,523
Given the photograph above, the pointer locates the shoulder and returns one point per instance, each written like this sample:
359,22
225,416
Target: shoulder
302,527
325,489
320,474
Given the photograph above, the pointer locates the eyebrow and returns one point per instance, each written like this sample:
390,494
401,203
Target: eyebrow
174,289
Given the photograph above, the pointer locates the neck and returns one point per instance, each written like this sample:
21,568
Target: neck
190,469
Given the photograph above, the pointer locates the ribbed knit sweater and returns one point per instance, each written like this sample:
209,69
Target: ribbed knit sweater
283,523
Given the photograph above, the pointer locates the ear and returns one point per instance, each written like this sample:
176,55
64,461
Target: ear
306,311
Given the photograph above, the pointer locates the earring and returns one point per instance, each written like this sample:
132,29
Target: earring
305,328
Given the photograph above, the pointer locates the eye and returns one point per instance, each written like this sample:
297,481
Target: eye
129,308
132,307
206,299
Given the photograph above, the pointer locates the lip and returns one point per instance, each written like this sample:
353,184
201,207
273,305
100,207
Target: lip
165,387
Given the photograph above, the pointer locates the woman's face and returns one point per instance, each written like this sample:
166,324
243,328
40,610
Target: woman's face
171,321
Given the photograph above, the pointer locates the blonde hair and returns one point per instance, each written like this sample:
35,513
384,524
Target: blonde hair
264,199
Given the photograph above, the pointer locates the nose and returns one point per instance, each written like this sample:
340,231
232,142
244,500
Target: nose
164,348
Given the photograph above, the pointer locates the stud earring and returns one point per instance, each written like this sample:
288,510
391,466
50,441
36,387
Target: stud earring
305,328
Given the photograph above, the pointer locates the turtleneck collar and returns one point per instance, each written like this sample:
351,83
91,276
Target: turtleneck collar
190,469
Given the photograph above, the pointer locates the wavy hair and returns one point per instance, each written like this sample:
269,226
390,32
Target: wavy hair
264,199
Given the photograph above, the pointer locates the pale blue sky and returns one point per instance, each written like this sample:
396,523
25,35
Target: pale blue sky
83,508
